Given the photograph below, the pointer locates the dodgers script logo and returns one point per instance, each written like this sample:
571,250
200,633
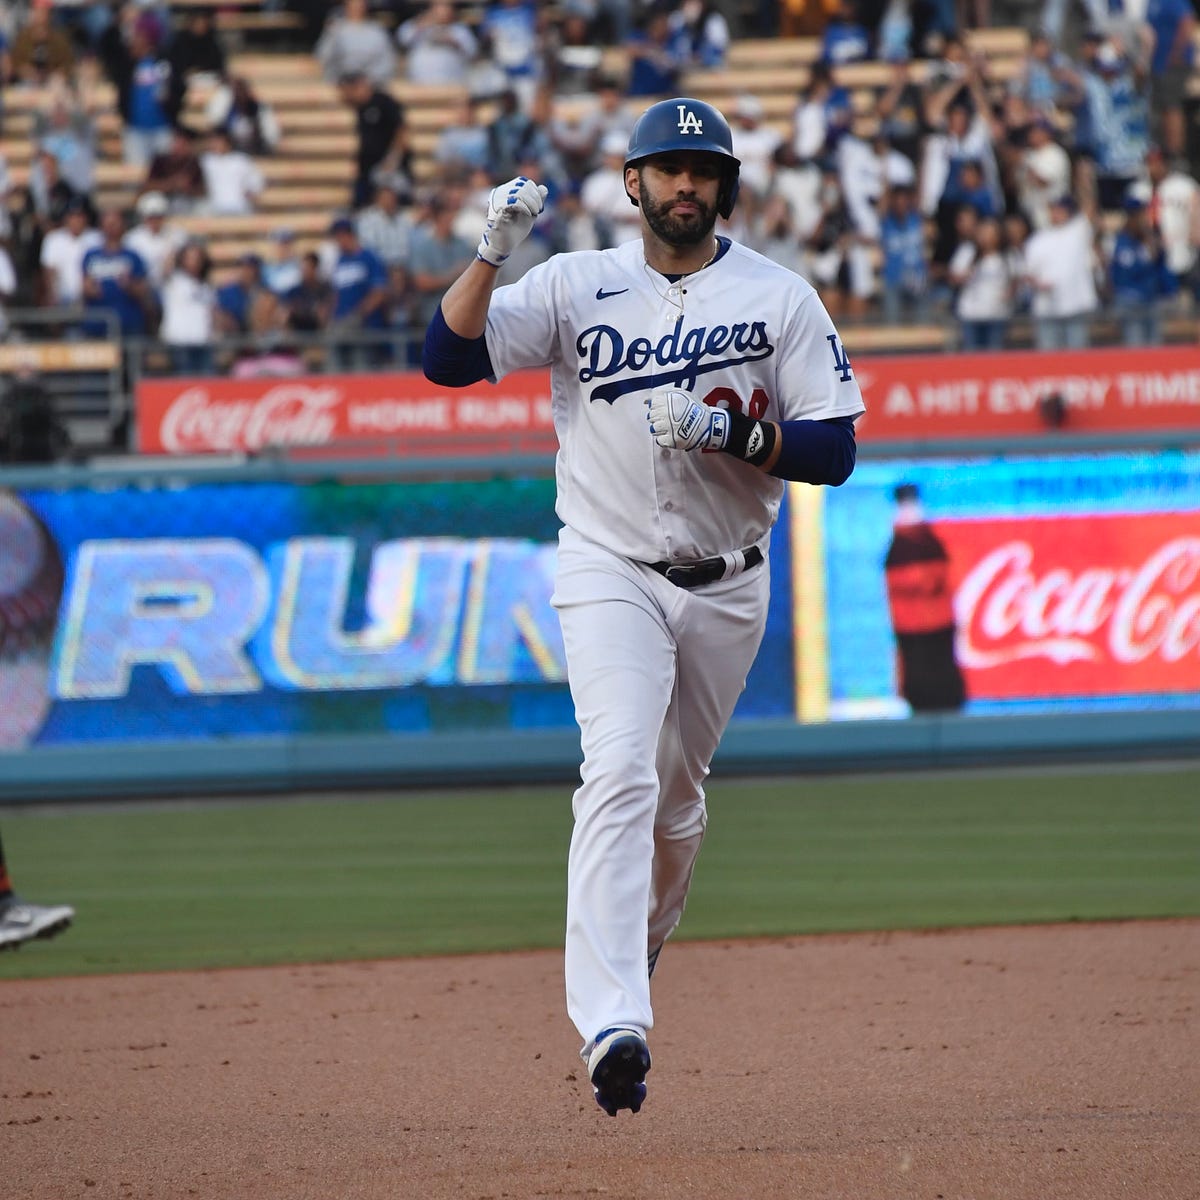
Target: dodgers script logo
684,357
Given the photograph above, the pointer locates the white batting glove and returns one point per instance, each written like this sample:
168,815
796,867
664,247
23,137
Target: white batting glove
512,209
679,421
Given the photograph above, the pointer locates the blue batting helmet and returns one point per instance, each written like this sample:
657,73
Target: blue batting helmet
686,124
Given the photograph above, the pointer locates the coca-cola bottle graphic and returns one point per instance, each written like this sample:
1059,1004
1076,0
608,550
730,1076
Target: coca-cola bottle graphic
917,573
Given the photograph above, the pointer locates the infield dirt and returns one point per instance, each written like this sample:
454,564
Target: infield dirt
1040,1062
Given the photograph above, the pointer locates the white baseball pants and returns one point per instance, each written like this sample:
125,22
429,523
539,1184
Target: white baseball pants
655,672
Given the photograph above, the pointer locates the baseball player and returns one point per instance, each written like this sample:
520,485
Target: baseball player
690,377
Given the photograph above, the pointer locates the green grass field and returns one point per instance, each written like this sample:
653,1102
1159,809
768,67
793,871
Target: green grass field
223,883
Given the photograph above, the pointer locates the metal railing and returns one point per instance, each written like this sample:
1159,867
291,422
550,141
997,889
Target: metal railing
93,376
78,358
335,351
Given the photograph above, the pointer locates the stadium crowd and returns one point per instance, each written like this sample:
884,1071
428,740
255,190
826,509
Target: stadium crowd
1057,193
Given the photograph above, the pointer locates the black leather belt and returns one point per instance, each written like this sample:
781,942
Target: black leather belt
708,570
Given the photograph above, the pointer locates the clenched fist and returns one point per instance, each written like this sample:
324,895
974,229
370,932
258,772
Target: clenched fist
512,209
679,421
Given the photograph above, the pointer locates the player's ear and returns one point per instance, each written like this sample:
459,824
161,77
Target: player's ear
632,185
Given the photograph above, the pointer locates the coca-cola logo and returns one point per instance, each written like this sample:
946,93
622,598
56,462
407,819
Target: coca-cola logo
287,414
1009,608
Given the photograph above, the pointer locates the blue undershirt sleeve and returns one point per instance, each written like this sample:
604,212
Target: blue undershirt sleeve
452,360
816,451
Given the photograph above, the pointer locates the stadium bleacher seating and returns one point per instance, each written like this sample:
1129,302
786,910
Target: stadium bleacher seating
309,178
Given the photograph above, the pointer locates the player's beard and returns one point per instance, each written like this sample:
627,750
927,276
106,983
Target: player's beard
677,230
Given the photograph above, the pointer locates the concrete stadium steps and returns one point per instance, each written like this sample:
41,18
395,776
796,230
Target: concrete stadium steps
803,51
243,18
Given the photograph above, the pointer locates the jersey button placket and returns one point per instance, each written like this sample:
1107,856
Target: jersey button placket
672,516
671,313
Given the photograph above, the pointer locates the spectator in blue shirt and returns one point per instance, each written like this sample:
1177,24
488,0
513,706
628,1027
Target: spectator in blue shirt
845,39
148,96
653,68
967,185
905,274
1118,123
360,290
246,305
1139,277
115,279
1042,80
511,30
148,130
699,34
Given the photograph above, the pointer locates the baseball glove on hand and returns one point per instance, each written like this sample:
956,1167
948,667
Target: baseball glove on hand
679,421
512,208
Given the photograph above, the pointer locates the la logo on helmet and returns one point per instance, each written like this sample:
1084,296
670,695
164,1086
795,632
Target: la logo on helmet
688,121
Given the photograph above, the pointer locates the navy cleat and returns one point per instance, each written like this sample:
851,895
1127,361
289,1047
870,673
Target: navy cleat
617,1066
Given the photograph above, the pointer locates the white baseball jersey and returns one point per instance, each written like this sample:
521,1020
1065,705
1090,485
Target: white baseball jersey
744,333
1174,202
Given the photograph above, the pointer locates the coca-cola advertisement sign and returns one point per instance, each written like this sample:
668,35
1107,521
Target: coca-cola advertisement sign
1027,393
286,414
1062,606
360,414
908,398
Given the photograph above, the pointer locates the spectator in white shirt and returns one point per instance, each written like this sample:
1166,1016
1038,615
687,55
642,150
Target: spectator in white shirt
754,143
868,166
603,194
1172,195
439,48
799,182
155,240
1060,262
959,136
62,254
980,272
188,308
8,287
385,227
775,234
580,124
354,44
233,181
820,112
1043,173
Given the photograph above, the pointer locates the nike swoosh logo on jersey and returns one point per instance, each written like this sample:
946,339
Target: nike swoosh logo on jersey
601,294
